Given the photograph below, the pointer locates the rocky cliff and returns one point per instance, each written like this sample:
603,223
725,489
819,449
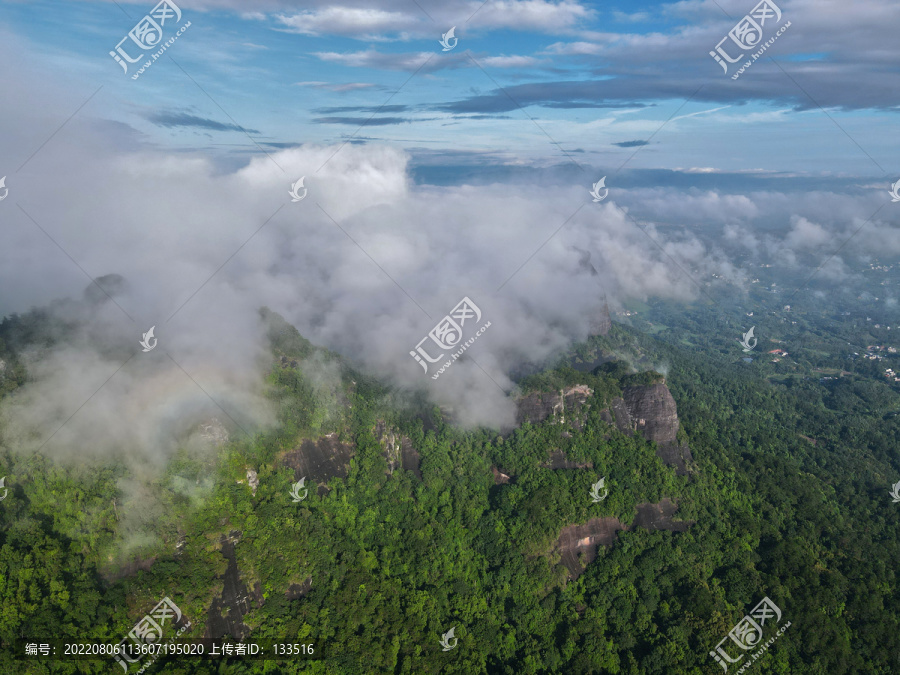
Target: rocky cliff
646,409
320,460
397,450
226,613
577,544
536,408
654,415
601,323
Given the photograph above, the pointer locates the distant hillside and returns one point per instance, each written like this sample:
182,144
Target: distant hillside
367,525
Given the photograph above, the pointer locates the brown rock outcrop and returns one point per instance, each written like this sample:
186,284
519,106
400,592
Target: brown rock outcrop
500,478
622,419
227,612
653,412
320,460
659,516
647,409
296,591
650,411
577,544
559,460
654,415
537,407
397,450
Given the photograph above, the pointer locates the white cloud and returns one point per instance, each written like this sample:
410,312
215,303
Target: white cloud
366,23
387,61
534,15
508,61
574,48
337,86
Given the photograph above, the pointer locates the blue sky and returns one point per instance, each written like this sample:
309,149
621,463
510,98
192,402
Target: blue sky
529,81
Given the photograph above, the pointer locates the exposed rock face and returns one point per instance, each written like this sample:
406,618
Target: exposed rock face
536,408
655,416
213,431
252,480
659,516
500,478
653,412
601,323
397,450
622,419
578,544
320,460
295,591
558,460
227,612
648,410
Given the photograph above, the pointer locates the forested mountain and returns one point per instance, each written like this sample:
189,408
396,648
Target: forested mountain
410,526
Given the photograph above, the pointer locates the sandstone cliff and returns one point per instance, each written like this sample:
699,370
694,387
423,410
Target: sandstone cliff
320,460
577,544
654,415
649,410
226,613
536,408
601,323
397,450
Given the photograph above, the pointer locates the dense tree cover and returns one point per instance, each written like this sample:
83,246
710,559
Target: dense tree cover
394,561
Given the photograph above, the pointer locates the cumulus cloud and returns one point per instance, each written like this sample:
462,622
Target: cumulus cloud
371,58
367,23
507,61
366,265
805,234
